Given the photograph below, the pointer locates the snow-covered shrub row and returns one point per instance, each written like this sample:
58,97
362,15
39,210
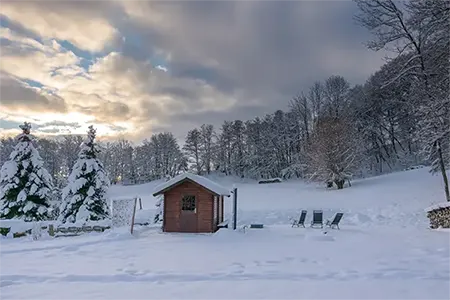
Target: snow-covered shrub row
270,180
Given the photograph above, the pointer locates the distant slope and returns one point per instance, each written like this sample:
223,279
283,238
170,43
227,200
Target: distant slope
397,198
144,191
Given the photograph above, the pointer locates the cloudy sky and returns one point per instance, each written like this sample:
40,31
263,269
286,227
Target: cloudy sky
132,68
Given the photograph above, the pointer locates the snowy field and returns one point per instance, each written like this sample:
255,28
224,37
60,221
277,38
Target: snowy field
384,250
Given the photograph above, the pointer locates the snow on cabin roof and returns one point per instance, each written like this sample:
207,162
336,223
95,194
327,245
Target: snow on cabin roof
204,182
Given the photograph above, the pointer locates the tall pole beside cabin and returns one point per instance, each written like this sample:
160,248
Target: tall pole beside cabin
134,215
234,208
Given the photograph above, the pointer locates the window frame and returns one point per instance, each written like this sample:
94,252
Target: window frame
187,207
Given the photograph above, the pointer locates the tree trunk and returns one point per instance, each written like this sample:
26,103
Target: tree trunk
340,184
305,122
444,174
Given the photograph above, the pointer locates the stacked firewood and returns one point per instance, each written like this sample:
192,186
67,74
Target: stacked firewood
439,217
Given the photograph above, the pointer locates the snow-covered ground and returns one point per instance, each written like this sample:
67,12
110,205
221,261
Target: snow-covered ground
384,250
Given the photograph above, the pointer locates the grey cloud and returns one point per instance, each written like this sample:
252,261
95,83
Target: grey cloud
117,128
60,124
89,8
14,94
105,111
153,85
13,48
70,20
179,123
216,118
50,130
221,81
260,47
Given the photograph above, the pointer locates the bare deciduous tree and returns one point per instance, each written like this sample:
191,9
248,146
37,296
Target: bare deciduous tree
334,152
419,30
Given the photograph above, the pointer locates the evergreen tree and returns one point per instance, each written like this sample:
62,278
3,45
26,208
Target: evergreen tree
26,186
84,198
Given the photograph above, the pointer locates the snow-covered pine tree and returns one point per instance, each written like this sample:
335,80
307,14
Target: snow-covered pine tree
26,186
84,198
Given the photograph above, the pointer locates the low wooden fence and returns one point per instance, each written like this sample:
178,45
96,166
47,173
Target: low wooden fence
123,214
74,230
58,231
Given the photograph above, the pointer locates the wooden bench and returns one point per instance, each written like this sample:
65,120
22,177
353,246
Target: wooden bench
254,226
258,226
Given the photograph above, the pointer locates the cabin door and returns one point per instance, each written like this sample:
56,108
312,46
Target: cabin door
188,216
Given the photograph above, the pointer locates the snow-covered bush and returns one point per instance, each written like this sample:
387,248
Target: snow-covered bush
439,215
122,212
159,215
4,231
84,198
36,231
25,185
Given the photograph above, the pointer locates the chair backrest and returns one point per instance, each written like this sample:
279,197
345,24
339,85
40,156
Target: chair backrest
317,216
302,217
337,218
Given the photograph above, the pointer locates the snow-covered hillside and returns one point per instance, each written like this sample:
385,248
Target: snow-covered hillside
384,250
395,199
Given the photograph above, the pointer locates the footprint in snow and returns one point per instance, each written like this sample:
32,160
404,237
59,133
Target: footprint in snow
5,283
290,258
272,262
131,272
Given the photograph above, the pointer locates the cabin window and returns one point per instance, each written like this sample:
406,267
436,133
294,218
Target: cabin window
188,203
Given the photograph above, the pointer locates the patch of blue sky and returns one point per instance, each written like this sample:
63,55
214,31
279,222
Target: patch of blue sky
87,58
5,22
159,61
33,83
132,39
7,124
132,45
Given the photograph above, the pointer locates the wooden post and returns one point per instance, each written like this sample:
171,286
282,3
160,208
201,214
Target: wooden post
234,208
134,214
51,230
222,209
140,203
